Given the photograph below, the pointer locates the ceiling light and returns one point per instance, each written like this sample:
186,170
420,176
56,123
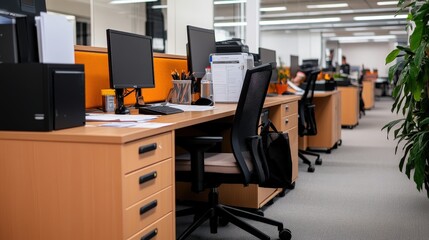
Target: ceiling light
333,5
299,21
379,17
354,41
398,32
272,9
230,24
363,34
387,3
363,38
130,1
392,27
159,6
228,2
329,34
356,29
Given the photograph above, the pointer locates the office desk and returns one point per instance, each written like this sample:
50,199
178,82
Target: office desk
91,182
328,120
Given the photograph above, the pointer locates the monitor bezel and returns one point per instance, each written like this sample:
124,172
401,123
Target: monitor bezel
109,48
274,75
189,50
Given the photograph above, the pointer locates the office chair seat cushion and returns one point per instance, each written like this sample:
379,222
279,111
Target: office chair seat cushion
224,163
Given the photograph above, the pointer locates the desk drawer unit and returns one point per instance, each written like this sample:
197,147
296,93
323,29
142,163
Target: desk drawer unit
289,124
147,184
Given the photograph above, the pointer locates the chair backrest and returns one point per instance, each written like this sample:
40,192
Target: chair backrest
307,119
247,117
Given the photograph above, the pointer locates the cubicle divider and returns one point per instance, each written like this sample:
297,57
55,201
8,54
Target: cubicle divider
96,65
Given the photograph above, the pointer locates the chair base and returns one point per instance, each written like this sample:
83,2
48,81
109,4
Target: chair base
215,211
307,161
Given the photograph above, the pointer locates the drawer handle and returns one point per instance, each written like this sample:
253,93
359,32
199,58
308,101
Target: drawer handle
147,148
147,177
150,235
287,108
148,207
286,121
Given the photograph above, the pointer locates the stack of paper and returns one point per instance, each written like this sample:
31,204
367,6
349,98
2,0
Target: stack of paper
55,39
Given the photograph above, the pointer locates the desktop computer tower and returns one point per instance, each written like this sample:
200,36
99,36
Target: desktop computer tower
42,97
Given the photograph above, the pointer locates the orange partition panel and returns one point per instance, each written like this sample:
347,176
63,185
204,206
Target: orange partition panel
97,77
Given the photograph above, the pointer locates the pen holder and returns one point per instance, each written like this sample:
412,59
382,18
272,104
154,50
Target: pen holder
181,92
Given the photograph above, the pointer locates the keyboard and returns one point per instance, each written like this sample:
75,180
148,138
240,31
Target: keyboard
159,110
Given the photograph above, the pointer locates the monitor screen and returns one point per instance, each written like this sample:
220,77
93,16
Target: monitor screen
130,60
294,65
269,56
201,43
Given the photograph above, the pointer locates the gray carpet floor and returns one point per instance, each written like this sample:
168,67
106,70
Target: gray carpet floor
357,194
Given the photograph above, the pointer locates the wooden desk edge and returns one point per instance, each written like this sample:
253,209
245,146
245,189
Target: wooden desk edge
92,133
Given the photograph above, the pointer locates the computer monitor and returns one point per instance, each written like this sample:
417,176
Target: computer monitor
269,56
201,43
130,65
294,65
20,33
311,62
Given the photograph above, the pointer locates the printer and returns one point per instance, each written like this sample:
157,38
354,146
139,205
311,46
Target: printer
234,45
228,72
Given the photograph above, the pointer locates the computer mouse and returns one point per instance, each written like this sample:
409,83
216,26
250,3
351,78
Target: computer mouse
204,101
288,93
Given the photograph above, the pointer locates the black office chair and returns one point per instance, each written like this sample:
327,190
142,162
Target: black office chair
246,164
307,119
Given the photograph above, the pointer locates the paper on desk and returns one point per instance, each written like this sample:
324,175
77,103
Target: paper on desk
134,124
192,108
119,118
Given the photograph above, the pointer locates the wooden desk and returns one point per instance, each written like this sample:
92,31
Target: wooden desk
328,119
349,106
91,182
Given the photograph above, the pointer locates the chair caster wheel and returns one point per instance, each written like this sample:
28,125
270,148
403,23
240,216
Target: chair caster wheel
223,221
318,161
310,169
285,234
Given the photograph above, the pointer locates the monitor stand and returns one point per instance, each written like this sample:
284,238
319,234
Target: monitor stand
139,98
120,107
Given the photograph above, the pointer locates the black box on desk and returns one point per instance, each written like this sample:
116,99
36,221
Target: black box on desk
322,85
42,97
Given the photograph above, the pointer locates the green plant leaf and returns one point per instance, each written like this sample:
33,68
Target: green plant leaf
405,49
401,162
392,56
416,36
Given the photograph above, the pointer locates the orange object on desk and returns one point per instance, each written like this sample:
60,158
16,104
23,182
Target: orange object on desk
281,88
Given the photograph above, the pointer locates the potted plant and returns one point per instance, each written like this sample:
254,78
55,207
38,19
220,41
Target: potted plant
411,94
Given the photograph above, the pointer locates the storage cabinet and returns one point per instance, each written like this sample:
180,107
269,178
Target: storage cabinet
328,120
349,106
85,190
